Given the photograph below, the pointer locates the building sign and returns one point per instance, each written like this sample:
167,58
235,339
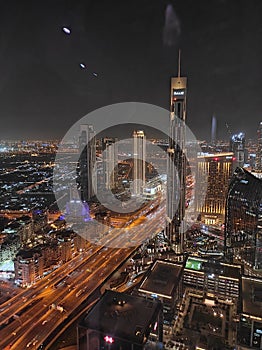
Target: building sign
179,94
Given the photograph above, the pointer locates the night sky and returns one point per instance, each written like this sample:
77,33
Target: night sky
133,48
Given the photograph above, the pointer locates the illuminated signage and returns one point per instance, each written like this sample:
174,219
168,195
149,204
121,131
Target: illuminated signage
179,93
108,339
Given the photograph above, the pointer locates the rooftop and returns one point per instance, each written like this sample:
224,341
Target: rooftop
162,278
123,316
218,268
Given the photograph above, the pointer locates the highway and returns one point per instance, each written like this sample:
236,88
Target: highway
33,314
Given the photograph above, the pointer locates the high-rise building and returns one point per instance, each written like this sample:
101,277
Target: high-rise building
243,229
87,162
110,161
237,146
176,165
259,148
26,229
139,168
218,168
28,267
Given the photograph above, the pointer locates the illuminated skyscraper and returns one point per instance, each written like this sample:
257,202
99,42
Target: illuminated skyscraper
237,146
139,168
110,161
259,148
87,162
243,224
219,168
176,166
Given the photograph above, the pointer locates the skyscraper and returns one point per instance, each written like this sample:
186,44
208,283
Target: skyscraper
87,162
237,146
243,230
110,160
259,148
218,168
176,164
139,168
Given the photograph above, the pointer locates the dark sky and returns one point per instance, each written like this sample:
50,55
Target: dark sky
133,46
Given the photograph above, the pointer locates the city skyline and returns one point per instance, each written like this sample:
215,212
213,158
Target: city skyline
110,54
127,231
203,282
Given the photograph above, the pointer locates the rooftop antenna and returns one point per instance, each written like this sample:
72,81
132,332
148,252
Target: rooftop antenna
179,62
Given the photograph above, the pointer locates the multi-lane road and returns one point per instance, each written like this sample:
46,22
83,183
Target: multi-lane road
30,317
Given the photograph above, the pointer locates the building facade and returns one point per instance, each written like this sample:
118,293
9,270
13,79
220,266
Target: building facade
139,156
110,161
243,230
218,168
250,323
237,146
28,267
87,162
176,165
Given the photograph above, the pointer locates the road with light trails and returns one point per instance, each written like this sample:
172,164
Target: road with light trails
34,326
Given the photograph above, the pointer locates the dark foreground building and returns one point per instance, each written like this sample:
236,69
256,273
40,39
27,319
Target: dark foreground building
243,230
164,282
250,326
121,322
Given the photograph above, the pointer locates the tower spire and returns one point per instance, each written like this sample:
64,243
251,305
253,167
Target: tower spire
179,63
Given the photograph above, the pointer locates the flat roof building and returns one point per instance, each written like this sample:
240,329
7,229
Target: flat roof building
121,322
213,277
163,281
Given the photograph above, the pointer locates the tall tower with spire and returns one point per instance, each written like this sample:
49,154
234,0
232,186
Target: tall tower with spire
176,164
